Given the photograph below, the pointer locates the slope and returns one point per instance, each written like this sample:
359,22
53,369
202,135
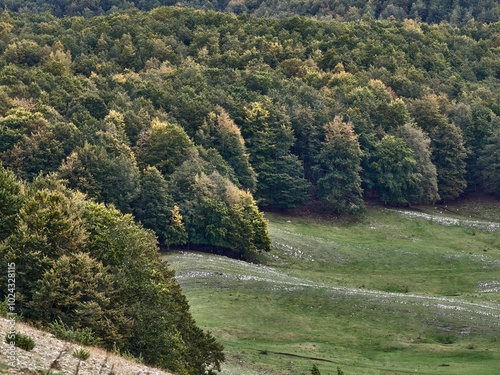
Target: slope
392,292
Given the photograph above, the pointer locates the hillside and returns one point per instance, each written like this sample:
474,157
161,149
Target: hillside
126,131
48,348
152,110
396,291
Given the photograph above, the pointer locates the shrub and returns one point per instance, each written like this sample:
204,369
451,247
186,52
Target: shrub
81,354
84,336
87,337
4,308
21,341
59,330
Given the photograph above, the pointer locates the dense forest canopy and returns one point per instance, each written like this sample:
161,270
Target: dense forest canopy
456,12
218,109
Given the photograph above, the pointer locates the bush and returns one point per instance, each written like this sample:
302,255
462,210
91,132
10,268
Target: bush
85,336
4,308
21,341
81,354
59,330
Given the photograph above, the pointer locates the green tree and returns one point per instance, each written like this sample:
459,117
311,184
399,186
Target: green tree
164,331
106,171
489,164
216,212
82,293
449,155
280,173
315,370
49,227
420,143
221,133
176,231
154,208
11,201
164,146
396,176
338,168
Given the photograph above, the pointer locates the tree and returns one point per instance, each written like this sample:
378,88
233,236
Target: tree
11,201
420,143
164,146
220,132
447,144
154,206
315,370
49,227
164,331
449,155
106,171
396,176
82,293
176,231
337,171
489,164
280,173
216,212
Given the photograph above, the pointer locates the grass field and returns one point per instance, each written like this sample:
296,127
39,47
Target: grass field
396,291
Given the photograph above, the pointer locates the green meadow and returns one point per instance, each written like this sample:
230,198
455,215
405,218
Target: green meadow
394,291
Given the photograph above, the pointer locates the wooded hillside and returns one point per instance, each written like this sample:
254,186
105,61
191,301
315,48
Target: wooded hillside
155,111
192,121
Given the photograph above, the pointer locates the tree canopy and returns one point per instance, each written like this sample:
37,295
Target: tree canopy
90,266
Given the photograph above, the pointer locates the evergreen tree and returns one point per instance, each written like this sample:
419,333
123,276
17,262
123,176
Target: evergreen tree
449,155
11,201
280,173
220,132
419,143
396,176
337,171
489,163
154,208
315,370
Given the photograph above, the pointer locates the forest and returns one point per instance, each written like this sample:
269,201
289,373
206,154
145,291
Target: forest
191,122
455,12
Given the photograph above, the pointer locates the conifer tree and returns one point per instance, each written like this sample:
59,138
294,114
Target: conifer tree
489,162
280,173
221,133
419,143
449,155
155,209
338,169
11,201
396,176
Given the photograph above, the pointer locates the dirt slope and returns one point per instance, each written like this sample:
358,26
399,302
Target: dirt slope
48,348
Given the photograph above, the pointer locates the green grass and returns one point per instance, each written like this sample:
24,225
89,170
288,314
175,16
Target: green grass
389,293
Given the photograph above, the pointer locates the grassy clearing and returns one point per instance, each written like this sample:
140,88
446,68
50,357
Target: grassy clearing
391,293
